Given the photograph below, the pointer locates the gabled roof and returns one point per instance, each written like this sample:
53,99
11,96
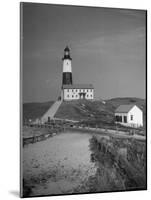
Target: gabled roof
124,108
78,86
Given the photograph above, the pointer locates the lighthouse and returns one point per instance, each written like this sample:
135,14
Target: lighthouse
70,91
67,67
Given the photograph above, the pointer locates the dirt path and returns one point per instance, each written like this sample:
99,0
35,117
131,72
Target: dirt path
58,165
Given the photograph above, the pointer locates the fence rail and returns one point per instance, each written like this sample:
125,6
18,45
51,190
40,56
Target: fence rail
54,129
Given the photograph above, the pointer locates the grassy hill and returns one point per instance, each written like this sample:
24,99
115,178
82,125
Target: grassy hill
96,112
91,112
85,110
35,110
127,100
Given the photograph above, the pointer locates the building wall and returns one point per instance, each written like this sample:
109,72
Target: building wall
134,117
73,94
137,116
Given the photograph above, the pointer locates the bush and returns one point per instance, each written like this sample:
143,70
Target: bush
114,170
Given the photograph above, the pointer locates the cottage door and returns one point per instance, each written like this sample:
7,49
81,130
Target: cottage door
125,119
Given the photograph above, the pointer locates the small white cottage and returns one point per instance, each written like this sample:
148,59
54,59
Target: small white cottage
129,115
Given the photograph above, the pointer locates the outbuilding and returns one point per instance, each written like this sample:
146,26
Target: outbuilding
129,115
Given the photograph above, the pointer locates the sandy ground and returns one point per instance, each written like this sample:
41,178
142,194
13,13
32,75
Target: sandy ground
58,165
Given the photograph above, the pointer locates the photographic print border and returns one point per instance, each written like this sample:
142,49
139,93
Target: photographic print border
21,103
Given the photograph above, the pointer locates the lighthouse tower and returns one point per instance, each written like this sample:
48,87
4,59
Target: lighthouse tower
67,68
70,91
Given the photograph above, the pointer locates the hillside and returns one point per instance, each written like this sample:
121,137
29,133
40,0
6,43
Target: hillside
83,110
96,112
127,100
35,110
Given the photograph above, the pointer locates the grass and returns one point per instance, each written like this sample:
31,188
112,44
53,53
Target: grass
121,164
92,113
35,110
85,110
98,114
34,131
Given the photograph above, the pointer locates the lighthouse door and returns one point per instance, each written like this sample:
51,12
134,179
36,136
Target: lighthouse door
82,95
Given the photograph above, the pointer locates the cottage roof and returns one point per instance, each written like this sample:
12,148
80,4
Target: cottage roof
78,86
124,108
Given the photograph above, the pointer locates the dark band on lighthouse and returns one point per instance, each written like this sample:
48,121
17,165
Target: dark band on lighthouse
67,78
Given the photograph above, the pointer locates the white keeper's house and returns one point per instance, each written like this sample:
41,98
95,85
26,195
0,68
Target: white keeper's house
78,91
69,90
129,115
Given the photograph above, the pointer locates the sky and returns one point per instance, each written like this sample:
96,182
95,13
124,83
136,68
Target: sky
108,50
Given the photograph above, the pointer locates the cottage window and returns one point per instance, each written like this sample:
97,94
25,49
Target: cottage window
118,118
131,117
